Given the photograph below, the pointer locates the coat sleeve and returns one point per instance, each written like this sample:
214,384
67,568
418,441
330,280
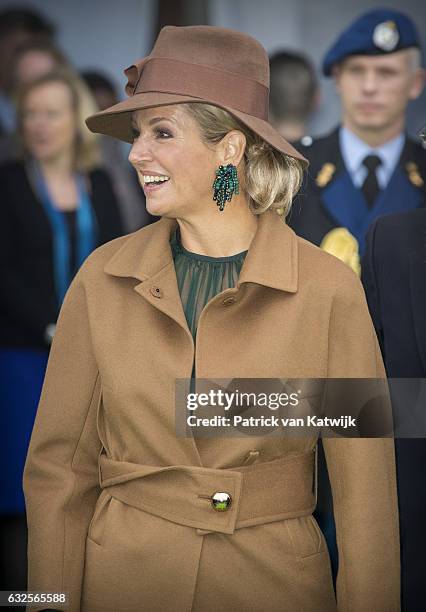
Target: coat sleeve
61,482
362,472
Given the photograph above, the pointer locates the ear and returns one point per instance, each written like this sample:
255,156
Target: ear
231,148
417,84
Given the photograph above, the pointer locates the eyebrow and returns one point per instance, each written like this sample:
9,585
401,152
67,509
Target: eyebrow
153,121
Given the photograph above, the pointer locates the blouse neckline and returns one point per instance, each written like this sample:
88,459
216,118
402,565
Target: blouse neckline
178,248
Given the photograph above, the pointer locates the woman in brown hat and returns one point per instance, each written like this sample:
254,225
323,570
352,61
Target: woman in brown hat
123,513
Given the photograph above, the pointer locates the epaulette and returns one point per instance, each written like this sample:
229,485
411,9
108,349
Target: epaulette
413,174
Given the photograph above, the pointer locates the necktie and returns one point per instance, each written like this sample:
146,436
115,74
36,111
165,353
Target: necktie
370,187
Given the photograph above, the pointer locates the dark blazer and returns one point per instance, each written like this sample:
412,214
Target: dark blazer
27,294
394,278
328,199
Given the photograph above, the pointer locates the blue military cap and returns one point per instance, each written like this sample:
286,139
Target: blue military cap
377,32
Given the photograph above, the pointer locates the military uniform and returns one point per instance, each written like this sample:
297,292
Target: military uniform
332,209
329,199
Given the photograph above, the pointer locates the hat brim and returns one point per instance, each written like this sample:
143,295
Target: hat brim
115,121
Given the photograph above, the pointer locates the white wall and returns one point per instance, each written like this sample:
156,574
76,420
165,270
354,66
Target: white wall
107,35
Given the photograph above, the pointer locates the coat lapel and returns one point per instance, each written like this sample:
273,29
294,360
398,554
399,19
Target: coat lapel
272,261
346,204
147,256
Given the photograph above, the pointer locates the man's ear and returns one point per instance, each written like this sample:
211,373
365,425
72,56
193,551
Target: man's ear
418,83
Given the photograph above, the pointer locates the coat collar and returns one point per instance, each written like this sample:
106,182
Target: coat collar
272,259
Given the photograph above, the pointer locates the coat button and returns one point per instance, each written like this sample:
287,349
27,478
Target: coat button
156,292
229,301
221,501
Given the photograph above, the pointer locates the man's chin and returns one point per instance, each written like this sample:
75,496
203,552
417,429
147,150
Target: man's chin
371,123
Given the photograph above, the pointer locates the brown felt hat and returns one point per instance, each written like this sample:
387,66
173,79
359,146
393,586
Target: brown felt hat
198,64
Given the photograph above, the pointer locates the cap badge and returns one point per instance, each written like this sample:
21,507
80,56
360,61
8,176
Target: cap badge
414,175
386,36
325,174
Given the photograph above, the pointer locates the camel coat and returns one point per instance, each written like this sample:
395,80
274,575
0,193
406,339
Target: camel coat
117,504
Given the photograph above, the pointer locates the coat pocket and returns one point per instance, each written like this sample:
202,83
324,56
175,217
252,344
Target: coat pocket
98,521
306,537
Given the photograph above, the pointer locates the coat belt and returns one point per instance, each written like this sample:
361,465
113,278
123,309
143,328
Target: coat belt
261,493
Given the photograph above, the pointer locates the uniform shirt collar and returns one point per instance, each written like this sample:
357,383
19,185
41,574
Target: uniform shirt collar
354,150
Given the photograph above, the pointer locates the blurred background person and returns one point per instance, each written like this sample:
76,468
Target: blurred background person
57,206
126,184
367,166
37,57
32,59
17,26
294,94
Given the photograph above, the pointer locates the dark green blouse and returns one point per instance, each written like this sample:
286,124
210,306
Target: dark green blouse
200,278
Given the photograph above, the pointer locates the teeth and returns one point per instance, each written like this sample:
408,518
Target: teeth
155,179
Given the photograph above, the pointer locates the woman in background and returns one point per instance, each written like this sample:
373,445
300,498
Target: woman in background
57,205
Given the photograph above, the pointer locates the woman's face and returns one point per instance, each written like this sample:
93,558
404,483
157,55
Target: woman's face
49,122
167,145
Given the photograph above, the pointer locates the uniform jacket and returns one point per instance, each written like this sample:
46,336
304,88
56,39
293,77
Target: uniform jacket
329,199
394,277
117,504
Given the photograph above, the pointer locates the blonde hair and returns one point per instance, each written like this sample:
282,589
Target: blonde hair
271,178
87,153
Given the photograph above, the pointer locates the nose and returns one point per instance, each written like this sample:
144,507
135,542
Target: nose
369,83
140,151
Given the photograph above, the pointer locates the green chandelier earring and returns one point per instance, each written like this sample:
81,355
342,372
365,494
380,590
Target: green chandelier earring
225,185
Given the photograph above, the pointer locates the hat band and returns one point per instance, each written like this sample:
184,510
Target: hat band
218,86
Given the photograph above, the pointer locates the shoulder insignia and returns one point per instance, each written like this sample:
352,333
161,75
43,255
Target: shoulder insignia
414,175
343,245
325,174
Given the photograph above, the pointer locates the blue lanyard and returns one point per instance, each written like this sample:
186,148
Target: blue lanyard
85,235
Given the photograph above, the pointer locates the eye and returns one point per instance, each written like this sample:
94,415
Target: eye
356,70
387,72
135,133
163,133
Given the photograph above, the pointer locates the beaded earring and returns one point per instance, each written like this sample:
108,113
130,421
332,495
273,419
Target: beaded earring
225,185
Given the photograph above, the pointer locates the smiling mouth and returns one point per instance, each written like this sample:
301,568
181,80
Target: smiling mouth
149,179
152,183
